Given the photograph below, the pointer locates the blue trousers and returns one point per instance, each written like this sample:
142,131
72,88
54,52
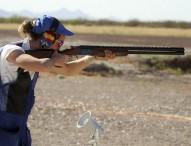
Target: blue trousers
11,133
13,127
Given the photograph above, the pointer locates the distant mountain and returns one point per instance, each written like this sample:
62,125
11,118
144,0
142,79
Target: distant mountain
66,14
5,14
61,14
26,13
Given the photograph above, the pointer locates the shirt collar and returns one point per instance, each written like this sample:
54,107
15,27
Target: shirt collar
26,44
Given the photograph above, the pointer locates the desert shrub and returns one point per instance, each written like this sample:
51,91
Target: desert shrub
13,19
184,63
174,65
131,23
101,69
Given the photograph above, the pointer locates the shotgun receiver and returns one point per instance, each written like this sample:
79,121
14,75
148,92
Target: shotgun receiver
99,51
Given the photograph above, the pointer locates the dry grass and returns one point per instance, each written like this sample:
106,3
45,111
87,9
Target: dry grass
118,30
136,31
9,26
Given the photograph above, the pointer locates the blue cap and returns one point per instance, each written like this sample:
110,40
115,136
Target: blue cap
44,23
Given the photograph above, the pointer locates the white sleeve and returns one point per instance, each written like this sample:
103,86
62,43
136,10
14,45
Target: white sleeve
8,49
8,70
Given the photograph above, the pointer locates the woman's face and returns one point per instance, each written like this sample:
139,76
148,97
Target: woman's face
58,43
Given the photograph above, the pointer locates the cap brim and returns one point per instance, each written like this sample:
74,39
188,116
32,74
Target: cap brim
62,30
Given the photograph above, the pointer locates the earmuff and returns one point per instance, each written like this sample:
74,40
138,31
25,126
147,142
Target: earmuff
48,38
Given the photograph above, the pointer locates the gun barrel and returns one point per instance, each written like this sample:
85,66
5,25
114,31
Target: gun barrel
157,52
124,50
99,51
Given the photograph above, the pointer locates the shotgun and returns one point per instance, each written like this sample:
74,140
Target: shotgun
99,51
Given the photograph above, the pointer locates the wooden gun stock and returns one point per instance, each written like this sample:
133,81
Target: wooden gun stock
99,51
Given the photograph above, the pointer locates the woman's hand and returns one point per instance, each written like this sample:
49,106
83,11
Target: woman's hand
108,55
59,59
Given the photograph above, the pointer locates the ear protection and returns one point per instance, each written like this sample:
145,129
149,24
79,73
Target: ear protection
50,36
48,39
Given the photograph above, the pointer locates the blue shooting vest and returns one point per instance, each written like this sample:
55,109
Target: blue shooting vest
16,102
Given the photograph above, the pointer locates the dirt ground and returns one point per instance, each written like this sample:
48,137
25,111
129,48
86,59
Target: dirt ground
135,109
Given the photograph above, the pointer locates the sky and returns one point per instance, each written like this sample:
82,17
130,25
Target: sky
146,10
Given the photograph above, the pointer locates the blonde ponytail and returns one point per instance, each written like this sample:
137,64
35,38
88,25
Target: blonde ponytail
25,30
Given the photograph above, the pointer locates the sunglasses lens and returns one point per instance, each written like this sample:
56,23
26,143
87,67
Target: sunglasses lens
59,43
